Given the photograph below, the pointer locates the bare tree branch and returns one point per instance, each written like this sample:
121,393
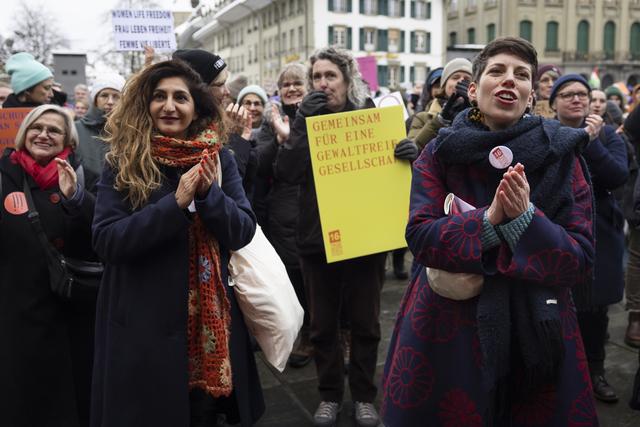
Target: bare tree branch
36,33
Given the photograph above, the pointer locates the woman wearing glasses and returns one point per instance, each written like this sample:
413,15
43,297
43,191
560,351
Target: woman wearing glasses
606,157
45,355
278,199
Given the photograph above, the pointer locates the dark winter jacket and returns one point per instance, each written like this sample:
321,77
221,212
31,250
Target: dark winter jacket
280,199
247,160
91,148
293,165
607,162
141,363
45,355
435,367
12,101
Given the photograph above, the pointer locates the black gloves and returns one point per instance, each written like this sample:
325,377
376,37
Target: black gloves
406,150
313,103
458,101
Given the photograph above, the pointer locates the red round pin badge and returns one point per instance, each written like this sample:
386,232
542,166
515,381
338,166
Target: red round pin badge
16,203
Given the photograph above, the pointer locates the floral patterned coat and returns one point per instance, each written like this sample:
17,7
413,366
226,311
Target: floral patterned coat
433,372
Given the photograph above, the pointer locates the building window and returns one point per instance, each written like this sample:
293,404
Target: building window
420,73
340,5
396,41
394,76
491,32
471,4
552,36
471,36
292,40
255,53
583,38
301,38
368,7
421,9
526,30
453,6
284,43
340,36
292,7
369,39
453,38
609,40
421,42
395,8
634,42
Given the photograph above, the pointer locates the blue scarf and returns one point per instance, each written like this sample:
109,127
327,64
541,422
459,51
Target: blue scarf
516,326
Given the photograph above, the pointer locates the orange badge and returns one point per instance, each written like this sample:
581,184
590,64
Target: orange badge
15,203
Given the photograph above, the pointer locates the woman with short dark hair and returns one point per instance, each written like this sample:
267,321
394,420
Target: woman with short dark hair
508,351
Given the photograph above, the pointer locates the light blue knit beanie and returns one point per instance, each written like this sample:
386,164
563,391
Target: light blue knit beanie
254,89
25,71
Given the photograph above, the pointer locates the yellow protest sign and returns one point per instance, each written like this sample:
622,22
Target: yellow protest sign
362,189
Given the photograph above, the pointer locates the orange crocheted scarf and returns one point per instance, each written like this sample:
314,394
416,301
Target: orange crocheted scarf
209,318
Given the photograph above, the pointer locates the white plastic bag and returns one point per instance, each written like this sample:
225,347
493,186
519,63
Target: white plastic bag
267,299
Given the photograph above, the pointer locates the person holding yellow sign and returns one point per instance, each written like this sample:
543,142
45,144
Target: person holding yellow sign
335,85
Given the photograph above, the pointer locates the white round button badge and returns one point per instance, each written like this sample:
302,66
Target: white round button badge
501,157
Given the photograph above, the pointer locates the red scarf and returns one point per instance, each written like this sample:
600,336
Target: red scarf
209,318
45,176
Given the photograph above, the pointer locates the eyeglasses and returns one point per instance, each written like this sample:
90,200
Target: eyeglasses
52,131
286,85
568,96
254,103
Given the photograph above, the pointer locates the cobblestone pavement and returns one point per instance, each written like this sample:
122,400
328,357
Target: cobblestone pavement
292,396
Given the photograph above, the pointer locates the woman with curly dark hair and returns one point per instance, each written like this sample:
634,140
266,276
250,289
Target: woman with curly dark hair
172,348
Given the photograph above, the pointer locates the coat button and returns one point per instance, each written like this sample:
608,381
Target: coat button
58,243
54,198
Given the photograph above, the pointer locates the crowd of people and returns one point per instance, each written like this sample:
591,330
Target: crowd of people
162,176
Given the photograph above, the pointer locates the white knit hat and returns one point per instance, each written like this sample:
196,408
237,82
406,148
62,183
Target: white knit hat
107,81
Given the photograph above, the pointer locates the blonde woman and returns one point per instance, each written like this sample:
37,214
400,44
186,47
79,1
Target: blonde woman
165,227
47,343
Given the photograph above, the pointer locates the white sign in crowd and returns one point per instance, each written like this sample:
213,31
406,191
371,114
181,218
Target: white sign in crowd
135,29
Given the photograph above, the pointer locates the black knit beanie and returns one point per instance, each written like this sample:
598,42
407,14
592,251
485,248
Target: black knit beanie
204,63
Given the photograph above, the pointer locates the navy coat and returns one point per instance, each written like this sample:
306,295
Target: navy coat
433,373
607,161
141,363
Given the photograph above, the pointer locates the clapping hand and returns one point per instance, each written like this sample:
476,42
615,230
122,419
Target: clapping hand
208,173
512,196
280,126
196,180
67,179
241,120
514,191
594,126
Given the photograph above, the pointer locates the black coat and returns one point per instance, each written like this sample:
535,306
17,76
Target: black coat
140,370
44,358
607,162
280,200
293,166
